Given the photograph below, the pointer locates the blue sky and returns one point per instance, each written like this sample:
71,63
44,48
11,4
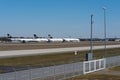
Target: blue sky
60,18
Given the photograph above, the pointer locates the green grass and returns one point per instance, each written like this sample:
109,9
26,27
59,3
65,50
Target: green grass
52,59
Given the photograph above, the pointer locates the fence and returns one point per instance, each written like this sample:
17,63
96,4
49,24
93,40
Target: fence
113,61
93,65
59,72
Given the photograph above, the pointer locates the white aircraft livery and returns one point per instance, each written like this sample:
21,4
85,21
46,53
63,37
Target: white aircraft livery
41,39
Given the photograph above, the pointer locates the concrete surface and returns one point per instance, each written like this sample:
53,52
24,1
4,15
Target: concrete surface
16,53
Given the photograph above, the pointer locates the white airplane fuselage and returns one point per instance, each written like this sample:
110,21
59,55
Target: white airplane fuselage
24,40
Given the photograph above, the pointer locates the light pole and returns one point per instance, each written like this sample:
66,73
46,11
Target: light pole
89,56
91,41
105,41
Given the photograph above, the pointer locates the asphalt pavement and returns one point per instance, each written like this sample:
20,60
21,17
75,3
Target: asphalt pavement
18,53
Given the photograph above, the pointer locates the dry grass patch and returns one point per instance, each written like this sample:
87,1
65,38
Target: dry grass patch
52,59
20,46
96,77
117,68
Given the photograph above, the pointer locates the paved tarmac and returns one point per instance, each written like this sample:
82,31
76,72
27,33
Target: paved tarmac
18,53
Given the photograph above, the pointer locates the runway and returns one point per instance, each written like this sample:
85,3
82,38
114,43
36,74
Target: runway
19,53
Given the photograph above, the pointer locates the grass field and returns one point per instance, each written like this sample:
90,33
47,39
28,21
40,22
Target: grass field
18,46
96,77
115,68
54,59
100,76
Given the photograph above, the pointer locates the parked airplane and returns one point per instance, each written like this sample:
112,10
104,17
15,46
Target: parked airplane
35,39
5,39
72,39
40,39
56,40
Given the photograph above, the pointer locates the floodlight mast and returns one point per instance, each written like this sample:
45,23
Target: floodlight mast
105,41
91,41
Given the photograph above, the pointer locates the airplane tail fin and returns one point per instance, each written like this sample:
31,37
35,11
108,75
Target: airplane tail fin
49,36
35,36
9,36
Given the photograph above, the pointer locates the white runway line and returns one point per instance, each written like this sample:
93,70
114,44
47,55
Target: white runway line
16,53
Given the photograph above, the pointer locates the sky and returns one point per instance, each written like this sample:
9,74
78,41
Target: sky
60,18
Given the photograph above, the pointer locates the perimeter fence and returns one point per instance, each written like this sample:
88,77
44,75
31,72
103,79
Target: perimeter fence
58,72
